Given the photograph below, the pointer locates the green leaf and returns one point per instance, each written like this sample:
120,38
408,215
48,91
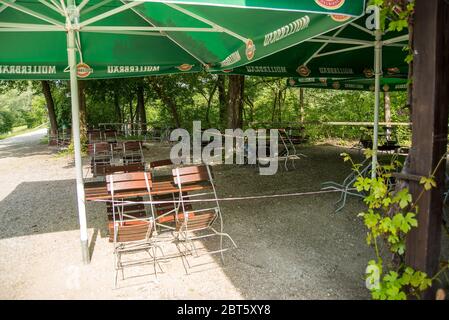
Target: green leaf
403,197
371,219
387,201
428,183
391,276
410,218
346,157
398,247
368,153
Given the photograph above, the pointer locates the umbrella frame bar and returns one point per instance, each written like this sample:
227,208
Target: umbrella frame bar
84,26
378,74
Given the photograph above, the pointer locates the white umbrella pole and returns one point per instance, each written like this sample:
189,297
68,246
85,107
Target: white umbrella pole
71,48
378,73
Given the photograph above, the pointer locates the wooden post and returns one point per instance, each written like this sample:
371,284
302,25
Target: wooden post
387,113
301,105
429,130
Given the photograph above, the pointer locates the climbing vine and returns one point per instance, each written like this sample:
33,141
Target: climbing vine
396,15
390,215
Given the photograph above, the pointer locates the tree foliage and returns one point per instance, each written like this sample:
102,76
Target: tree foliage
20,107
177,100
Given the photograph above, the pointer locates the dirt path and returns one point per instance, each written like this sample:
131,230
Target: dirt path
292,248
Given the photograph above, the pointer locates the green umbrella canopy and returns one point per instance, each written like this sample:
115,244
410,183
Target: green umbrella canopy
137,38
362,84
347,52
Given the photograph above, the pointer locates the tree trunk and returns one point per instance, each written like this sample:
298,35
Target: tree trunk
118,111
281,101
50,107
235,101
82,108
387,107
222,100
141,107
301,105
209,103
273,110
251,109
168,101
131,115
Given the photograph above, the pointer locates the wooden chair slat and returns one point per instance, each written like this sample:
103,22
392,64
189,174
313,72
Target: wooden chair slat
197,221
128,185
132,167
132,145
131,230
141,214
191,178
190,170
190,175
161,163
140,175
128,208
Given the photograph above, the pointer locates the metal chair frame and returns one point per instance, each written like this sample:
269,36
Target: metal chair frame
347,184
184,234
289,152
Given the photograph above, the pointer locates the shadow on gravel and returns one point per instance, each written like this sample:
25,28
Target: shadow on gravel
24,150
45,207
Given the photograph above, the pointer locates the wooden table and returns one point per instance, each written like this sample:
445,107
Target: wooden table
98,190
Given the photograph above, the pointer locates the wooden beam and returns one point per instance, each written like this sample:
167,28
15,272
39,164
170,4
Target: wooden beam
429,130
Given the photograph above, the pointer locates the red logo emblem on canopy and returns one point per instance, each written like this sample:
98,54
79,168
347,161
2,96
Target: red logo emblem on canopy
340,17
303,71
83,70
185,67
330,4
250,49
336,85
368,72
394,70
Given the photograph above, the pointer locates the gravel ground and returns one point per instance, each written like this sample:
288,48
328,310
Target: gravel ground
289,248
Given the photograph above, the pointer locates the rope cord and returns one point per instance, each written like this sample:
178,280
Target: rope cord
297,194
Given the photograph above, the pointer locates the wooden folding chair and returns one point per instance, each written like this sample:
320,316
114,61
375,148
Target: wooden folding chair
132,152
197,223
100,155
94,136
131,233
110,135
